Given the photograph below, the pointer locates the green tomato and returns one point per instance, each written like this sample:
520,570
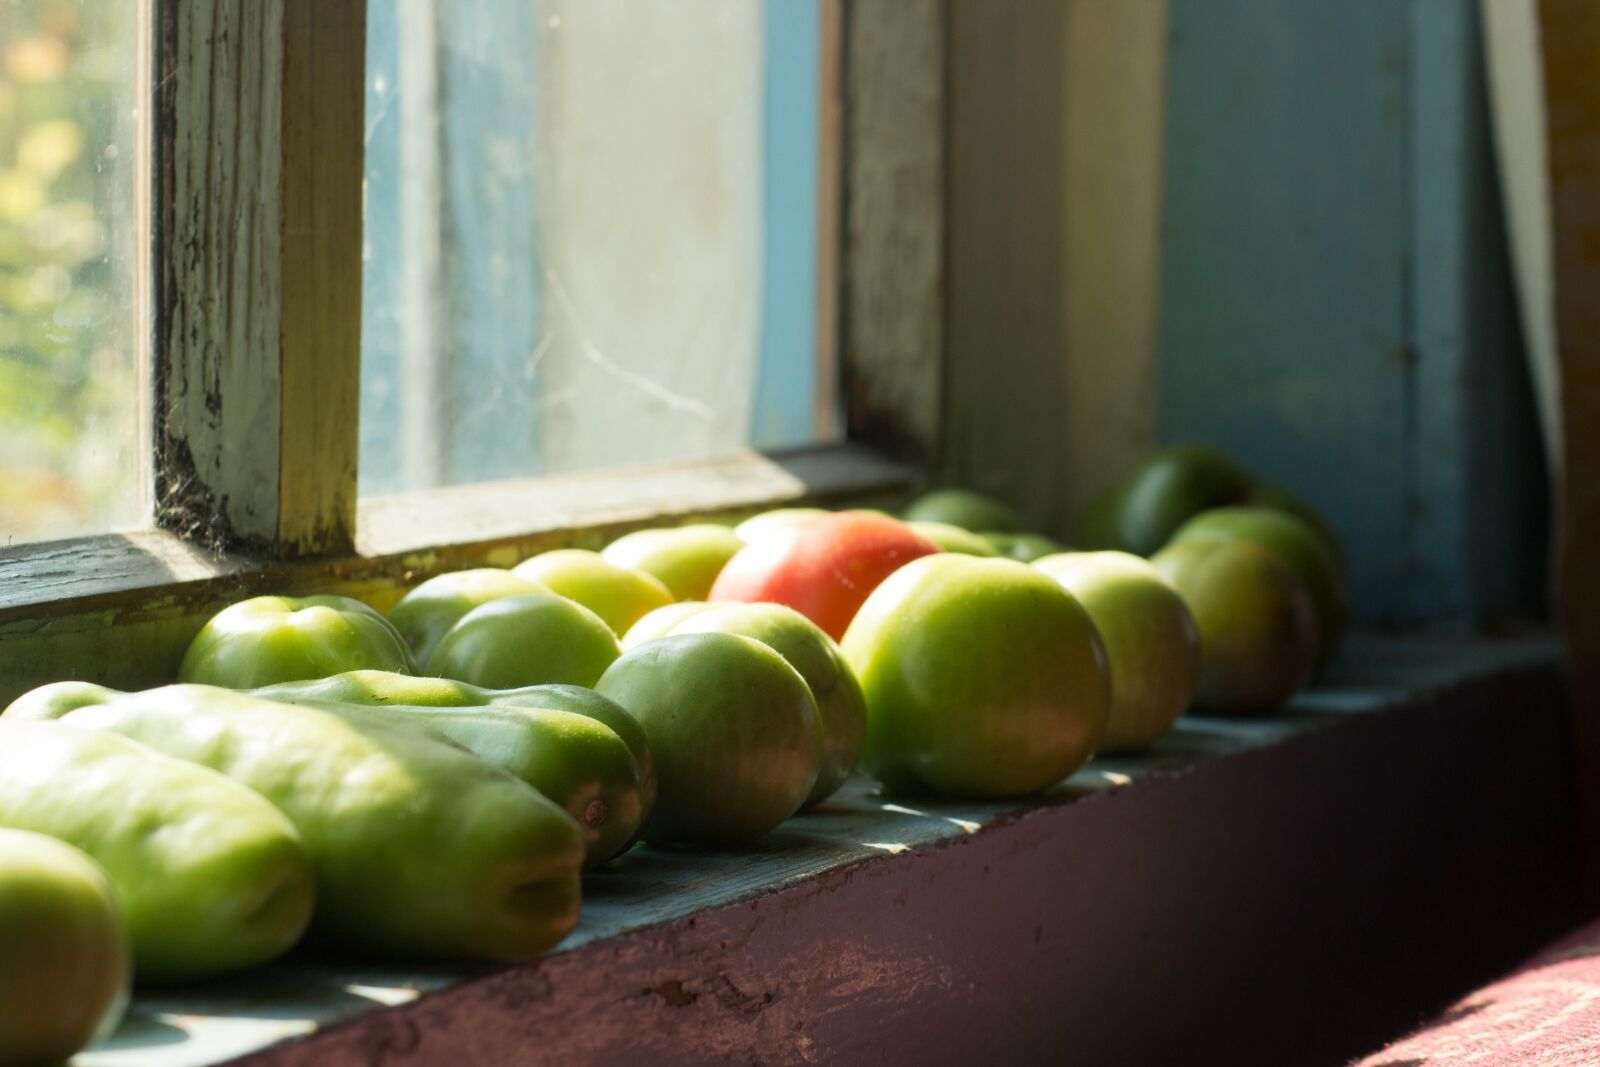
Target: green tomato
1173,484
758,526
660,622
421,849
734,730
983,678
1267,495
271,639
1257,623
1298,546
1151,642
953,538
424,614
842,708
64,957
211,878
618,595
535,639
686,559
1023,547
963,508
383,689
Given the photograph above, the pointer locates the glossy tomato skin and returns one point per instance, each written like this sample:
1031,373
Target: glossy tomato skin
64,956
824,567
984,678
270,639
734,730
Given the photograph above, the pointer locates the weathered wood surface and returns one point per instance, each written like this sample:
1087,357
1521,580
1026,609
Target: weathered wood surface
121,609
876,927
258,291
1570,38
892,307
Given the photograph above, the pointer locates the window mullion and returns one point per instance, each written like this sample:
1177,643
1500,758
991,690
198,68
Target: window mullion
258,278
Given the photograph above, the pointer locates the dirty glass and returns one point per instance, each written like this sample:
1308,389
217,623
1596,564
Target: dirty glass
591,236
73,458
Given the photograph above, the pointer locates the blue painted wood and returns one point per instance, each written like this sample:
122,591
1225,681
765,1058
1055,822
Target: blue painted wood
1284,333
783,413
1337,309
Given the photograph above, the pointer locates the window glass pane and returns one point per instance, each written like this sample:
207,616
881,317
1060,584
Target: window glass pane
73,451
592,233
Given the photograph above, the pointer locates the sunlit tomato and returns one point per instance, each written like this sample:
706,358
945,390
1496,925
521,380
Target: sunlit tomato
823,567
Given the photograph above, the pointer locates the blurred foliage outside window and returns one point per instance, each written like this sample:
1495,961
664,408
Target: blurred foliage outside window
73,448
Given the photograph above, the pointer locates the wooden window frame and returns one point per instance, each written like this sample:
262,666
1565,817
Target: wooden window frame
256,196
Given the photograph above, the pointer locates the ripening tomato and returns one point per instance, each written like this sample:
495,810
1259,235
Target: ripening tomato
823,567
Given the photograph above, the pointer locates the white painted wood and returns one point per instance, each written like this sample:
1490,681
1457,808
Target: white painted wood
1516,94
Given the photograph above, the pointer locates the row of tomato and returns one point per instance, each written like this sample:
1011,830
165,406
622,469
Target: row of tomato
431,783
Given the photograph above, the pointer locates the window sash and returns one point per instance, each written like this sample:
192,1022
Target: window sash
256,210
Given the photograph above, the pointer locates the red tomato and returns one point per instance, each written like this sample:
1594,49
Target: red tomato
824,568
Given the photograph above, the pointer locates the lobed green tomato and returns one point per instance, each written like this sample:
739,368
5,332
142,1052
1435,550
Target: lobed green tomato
65,963
963,508
621,597
535,639
951,538
425,613
1023,547
1150,638
983,678
734,731
686,559
660,622
269,639
1164,491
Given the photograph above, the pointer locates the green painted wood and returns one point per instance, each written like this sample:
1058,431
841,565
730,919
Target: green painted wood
650,889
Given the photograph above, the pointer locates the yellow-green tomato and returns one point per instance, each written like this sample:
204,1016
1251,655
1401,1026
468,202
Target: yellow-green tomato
618,595
983,678
758,526
535,639
1298,546
734,731
686,559
951,538
1257,623
963,508
269,639
660,622
424,614
1150,639
1026,547
64,959
842,708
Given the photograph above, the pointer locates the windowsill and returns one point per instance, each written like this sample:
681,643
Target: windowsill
852,928
51,577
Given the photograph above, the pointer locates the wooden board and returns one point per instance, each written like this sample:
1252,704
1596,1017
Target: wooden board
848,931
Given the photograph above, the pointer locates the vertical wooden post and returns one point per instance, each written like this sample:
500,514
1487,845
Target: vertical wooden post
258,285
893,295
1570,32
